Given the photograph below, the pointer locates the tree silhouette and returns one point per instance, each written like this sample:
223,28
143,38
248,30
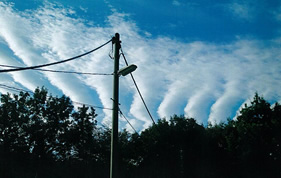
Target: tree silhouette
44,136
254,139
40,130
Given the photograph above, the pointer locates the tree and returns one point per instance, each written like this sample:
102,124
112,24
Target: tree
39,131
82,127
171,148
254,139
44,136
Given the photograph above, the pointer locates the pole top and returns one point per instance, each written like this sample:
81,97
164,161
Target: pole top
116,40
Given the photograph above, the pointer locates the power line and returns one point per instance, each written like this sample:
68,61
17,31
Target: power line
14,88
138,88
98,107
22,90
127,120
54,63
59,71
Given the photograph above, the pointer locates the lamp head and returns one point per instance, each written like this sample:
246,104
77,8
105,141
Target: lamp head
126,70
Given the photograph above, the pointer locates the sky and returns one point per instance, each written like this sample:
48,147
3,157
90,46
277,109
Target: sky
202,59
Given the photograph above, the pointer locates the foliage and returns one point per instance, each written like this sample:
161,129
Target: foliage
44,136
41,129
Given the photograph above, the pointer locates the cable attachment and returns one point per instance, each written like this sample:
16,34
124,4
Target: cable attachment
113,101
110,54
116,39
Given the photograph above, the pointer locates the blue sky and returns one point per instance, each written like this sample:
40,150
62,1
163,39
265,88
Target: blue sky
204,59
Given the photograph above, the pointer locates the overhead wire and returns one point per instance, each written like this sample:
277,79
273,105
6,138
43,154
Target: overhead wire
98,107
54,63
59,71
14,88
22,90
121,113
135,83
37,67
15,68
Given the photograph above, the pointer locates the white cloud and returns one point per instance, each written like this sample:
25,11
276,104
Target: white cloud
277,14
44,36
202,80
176,3
84,9
199,104
241,10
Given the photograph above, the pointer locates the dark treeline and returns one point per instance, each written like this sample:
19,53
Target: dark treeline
43,136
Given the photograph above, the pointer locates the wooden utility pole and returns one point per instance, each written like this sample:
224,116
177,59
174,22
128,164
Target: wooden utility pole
114,132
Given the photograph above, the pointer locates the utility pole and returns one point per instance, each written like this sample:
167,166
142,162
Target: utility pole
114,132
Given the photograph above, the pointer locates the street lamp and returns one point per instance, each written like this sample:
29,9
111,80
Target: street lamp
114,132
126,70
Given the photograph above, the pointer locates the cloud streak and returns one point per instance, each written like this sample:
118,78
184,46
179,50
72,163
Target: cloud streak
207,81
241,10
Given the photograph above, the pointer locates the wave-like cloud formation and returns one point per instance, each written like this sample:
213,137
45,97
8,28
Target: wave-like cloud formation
204,80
